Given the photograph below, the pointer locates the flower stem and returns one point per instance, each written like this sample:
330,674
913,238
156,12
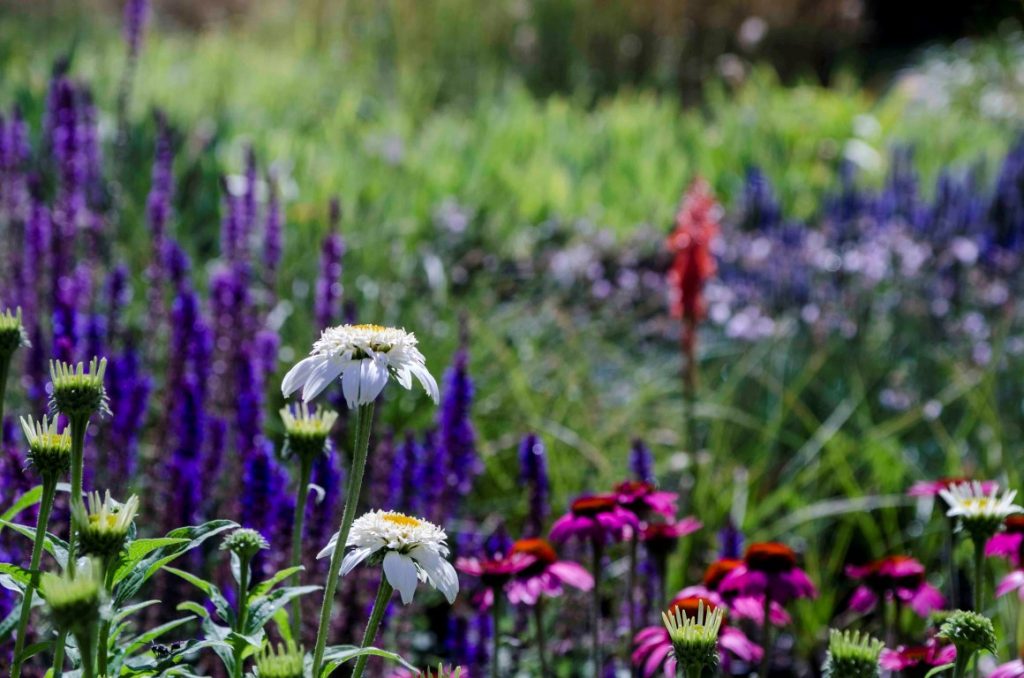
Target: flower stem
103,646
979,575
380,606
79,424
305,471
960,665
5,368
631,595
766,637
364,418
85,650
947,554
538,619
495,631
595,609
45,505
243,609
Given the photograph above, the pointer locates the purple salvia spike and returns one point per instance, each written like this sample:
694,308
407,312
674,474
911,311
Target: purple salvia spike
136,16
328,284
533,472
641,462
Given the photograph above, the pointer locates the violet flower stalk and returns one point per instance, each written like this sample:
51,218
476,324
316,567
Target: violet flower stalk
328,284
533,471
457,439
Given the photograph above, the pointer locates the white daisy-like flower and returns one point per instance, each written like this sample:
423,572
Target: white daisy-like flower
364,357
411,550
969,502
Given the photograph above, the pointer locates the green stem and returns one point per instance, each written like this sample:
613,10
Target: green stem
496,631
45,505
5,368
380,606
538,618
631,597
85,649
948,547
766,639
103,647
243,609
305,471
355,483
979,575
960,665
595,610
79,425
58,655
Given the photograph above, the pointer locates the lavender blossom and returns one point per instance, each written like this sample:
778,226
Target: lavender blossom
641,462
328,284
272,236
136,15
457,439
533,472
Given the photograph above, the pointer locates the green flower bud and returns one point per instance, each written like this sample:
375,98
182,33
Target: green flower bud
74,600
969,632
852,655
103,526
245,543
12,333
307,430
49,452
77,391
286,662
695,639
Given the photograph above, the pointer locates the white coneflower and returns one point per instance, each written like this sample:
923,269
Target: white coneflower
306,429
410,549
981,514
364,357
49,449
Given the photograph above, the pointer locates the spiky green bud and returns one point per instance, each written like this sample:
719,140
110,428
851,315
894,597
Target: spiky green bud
442,672
287,661
12,333
245,543
969,632
694,639
77,391
74,600
49,451
104,524
852,654
307,430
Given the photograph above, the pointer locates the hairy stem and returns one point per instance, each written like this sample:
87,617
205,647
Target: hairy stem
305,471
380,606
45,505
364,419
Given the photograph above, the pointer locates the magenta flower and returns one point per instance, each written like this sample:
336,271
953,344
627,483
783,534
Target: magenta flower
931,488
595,518
1014,669
1011,582
662,538
894,578
769,569
652,650
1009,544
643,499
546,575
497,570
903,657
740,606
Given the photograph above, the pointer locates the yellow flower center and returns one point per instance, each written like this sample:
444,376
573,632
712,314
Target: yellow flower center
980,503
401,520
108,520
53,440
370,327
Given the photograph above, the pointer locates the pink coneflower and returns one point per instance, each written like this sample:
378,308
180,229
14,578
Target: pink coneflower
494,572
769,569
546,575
643,499
1009,543
894,578
595,518
1011,582
661,538
741,606
653,647
1014,669
932,488
933,653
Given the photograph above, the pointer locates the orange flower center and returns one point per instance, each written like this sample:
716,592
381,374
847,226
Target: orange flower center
717,570
771,557
538,548
591,506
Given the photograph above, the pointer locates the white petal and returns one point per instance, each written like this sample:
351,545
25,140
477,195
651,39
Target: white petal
427,379
373,378
354,557
321,376
402,574
403,377
439,571
298,375
350,385
329,549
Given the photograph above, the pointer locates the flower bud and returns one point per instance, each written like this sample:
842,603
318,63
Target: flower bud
287,661
103,526
78,392
695,639
245,543
49,452
852,654
12,333
307,430
74,600
969,632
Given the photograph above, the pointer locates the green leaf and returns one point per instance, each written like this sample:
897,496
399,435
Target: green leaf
52,544
263,608
128,579
125,612
34,649
193,607
18,576
30,498
939,669
220,603
284,627
10,622
339,654
151,635
278,577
